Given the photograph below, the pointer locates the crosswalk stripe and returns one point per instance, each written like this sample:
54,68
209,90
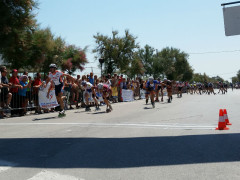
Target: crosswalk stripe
49,175
5,165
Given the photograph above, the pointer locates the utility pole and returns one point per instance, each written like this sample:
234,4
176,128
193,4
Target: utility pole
101,61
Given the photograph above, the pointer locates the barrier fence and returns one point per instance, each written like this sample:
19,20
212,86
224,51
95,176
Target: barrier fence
14,104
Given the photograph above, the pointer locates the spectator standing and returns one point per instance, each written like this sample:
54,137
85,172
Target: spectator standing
6,96
28,98
23,93
15,105
95,79
36,85
91,79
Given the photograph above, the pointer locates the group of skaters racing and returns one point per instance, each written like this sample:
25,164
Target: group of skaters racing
87,85
206,87
154,87
93,88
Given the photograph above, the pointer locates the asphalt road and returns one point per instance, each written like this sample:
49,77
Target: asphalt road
134,141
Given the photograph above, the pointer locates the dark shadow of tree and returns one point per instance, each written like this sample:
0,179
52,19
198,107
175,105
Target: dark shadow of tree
120,152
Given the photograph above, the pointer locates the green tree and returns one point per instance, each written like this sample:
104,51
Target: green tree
157,68
174,64
235,79
217,79
166,61
116,51
197,77
45,49
238,75
41,49
136,68
146,55
73,58
17,24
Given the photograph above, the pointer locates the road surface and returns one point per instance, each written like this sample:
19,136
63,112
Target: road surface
134,141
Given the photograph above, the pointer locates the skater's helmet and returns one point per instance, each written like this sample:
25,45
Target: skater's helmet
150,79
100,86
52,66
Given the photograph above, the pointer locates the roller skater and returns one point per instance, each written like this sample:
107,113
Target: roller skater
106,92
89,92
169,86
57,78
159,89
151,86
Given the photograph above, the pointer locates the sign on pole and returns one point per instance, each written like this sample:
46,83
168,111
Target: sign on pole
231,20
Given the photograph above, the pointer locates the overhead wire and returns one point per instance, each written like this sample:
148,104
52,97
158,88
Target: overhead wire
215,52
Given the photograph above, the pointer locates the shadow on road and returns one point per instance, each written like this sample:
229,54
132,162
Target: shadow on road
147,108
120,152
47,118
100,112
80,112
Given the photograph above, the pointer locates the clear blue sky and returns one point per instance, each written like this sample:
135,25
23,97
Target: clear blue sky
193,26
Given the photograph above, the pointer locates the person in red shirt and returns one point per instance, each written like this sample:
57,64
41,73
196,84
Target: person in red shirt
15,103
36,85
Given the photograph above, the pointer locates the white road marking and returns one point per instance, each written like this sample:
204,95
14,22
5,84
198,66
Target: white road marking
48,175
5,165
165,126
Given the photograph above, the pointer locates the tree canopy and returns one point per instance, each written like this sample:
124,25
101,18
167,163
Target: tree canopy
236,78
24,44
117,52
17,25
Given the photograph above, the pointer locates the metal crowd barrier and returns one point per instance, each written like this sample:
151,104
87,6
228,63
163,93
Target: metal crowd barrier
20,106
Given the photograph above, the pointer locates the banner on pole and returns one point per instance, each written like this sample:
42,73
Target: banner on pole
45,102
127,95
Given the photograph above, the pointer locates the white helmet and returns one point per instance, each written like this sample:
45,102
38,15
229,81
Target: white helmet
52,66
100,86
150,79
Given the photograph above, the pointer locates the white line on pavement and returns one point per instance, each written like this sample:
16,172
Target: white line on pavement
166,126
48,175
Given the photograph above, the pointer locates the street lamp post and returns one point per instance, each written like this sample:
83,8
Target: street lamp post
101,61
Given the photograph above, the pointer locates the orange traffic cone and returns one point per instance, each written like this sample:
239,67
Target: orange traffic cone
221,123
226,117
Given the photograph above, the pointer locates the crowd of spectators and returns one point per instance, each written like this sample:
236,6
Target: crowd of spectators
19,91
19,94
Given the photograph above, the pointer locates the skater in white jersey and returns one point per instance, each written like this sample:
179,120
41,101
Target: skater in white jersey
57,78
